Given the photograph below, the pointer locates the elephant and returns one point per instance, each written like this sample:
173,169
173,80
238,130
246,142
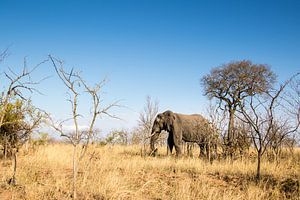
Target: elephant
189,128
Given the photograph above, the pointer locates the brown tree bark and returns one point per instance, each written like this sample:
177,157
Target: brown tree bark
259,155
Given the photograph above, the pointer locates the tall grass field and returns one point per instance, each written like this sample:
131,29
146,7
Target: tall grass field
120,172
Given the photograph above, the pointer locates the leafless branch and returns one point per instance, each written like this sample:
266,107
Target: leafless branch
73,81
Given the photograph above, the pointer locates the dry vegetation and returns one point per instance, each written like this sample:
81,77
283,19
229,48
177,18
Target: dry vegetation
119,172
62,171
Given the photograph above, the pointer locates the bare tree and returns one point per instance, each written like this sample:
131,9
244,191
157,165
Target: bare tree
292,98
290,117
118,137
261,113
136,138
231,83
18,85
243,137
218,119
280,137
146,120
27,117
4,54
74,83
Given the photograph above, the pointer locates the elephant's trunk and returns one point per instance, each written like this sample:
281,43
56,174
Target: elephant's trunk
154,137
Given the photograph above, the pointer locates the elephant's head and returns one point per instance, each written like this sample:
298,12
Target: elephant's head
163,122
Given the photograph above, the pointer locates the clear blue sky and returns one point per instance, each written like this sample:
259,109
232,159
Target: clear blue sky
148,47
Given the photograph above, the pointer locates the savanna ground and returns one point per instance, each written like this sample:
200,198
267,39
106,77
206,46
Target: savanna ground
119,172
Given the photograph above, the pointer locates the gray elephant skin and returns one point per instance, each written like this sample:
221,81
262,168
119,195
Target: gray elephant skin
181,127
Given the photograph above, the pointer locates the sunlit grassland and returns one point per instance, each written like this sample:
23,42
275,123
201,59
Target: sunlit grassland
120,172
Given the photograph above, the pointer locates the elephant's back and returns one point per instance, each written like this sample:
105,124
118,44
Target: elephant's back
193,117
193,126
192,121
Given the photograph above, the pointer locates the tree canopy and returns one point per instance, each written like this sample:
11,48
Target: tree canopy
232,82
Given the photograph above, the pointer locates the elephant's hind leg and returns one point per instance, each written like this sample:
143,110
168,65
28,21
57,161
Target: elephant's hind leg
202,149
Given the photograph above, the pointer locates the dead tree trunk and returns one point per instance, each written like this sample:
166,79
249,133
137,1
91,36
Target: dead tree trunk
12,181
74,171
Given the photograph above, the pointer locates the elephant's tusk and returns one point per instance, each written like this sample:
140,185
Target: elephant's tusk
150,135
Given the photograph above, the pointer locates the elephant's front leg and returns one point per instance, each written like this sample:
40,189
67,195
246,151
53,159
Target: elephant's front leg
177,143
170,143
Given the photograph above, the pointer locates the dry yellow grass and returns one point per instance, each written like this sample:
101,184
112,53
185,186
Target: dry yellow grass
120,172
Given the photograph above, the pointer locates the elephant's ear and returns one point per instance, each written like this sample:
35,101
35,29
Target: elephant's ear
158,117
171,119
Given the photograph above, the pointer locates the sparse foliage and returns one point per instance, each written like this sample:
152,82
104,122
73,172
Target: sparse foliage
262,113
146,119
42,140
118,137
18,117
231,83
243,138
136,138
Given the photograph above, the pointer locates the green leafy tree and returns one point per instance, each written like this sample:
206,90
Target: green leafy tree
12,125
